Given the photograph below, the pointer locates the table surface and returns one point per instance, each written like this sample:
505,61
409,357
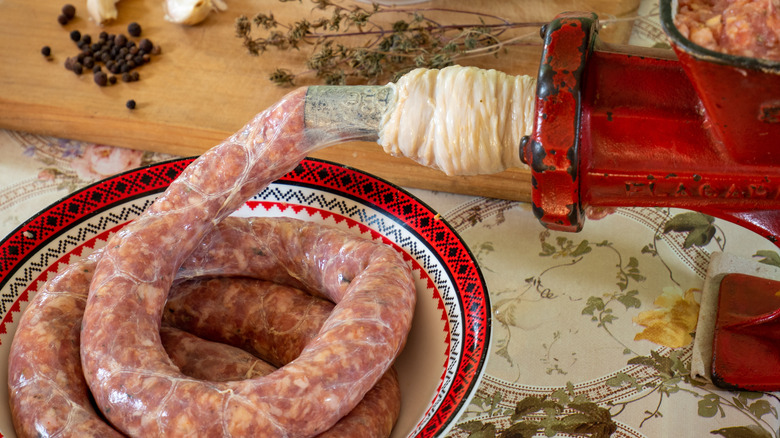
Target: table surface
204,86
592,315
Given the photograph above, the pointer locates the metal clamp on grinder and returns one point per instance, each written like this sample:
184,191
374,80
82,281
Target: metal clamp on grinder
689,128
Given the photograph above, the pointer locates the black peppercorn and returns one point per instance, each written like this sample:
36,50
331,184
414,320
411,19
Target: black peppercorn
120,40
101,78
78,68
130,104
112,79
126,77
96,68
134,76
75,35
62,19
46,51
146,45
69,11
134,29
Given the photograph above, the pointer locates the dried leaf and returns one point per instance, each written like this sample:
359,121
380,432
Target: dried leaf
573,423
751,431
593,411
523,429
583,424
472,426
477,429
561,396
528,405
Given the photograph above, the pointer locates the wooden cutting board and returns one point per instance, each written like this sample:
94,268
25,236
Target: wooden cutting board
205,86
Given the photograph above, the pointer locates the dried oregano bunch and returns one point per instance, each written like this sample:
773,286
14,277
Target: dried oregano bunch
355,44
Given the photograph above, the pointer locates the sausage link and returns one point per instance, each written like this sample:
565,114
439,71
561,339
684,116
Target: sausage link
133,380
374,416
47,392
271,321
207,360
275,323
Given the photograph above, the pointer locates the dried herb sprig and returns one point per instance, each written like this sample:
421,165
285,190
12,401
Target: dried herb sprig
378,51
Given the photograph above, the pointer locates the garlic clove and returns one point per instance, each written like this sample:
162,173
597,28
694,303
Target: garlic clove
102,11
190,12
219,5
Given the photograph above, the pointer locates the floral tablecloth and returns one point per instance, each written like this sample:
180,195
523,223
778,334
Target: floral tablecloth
592,332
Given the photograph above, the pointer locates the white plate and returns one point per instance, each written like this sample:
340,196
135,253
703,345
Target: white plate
444,358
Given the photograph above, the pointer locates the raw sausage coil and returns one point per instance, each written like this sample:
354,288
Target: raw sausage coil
132,379
47,390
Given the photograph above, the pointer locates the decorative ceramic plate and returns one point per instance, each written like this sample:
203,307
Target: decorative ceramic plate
448,345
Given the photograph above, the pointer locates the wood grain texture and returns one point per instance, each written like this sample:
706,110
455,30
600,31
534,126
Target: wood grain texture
204,86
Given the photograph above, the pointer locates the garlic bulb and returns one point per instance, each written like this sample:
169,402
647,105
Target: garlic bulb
190,12
102,11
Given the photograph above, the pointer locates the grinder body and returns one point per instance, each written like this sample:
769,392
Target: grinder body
629,126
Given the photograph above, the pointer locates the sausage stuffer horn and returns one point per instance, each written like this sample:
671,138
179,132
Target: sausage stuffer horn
352,112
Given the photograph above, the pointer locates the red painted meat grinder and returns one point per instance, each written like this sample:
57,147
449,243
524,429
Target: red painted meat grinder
629,126
688,128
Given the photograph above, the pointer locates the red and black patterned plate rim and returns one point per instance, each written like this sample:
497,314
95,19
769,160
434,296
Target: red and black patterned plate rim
417,217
